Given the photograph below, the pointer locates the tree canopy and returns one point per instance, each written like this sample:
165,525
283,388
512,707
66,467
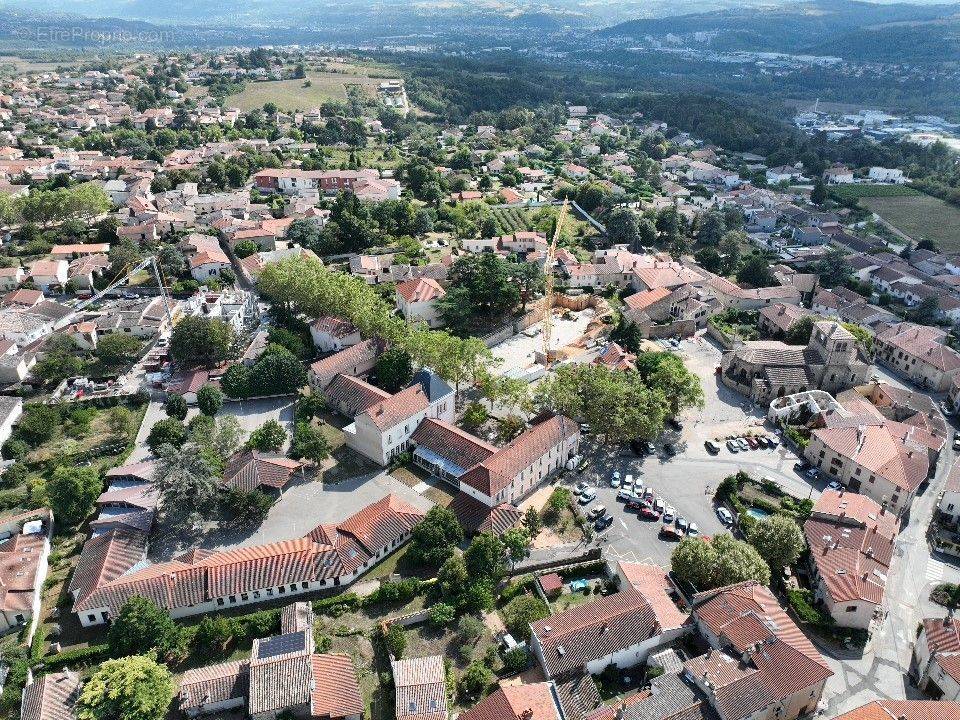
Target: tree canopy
129,688
206,342
718,562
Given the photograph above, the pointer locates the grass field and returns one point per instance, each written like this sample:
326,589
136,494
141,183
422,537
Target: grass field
858,192
292,95
920,217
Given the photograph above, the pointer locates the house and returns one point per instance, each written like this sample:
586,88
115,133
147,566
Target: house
249,470
333,334
11,408
383,430
283,677
51,697
417,301
777,320
420,688
356,360
918,352
904,710
948,505
24,551
882,459
730,295
11,277
209,263
532,701
936,658
201,581
47,274
887,175
838,175
761,666
765,369
782,174
851,539
619,629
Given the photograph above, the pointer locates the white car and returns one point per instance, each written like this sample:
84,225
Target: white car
628,482
742,444
615,479
834,485
693,530
726,517
669,515
587,496
659,505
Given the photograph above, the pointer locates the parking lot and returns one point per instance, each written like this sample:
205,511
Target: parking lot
688,479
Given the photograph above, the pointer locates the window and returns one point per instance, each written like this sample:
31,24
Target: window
857,472
256,595
92,618
303,585
219,601
244,596
851,608
282,589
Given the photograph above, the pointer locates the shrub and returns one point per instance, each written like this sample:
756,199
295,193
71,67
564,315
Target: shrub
520,612
516,660
14,449
469,629
442,614
395,640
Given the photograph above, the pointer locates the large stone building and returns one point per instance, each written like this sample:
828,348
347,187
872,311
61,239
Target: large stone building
763,370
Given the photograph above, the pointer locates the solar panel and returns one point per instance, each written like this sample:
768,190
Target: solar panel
281,645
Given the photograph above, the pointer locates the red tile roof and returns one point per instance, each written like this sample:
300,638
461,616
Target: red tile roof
420,290
250,470
392,411
452,443
336,693
535,701
478,517
655,585
572,638
51,697
420,688
105,558
905,710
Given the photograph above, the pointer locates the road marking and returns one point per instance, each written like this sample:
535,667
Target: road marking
934,571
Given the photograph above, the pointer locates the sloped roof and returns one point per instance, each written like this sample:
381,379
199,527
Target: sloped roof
249,470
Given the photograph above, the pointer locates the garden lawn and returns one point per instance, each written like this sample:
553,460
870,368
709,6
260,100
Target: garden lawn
921,217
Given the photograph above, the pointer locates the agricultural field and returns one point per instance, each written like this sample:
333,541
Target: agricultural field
920,217
512,219
859,192
325,86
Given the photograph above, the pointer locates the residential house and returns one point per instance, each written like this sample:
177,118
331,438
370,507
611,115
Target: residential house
936,658
283,677
904,710
838,175
383,430
761,666
619,630
11,408
529,701
417,301
357,360
249,470
202,581
333,334
11,277
51,697
420,688
918,352
851,539
24,552
49,274
777,320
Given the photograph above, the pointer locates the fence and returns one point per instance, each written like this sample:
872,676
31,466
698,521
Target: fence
727,342
557,563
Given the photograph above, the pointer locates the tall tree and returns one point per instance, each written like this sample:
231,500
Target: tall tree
185,481
129,688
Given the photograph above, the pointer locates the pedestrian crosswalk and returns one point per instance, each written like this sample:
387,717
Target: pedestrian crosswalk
934,571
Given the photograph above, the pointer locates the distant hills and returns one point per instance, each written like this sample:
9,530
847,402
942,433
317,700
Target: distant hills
897,32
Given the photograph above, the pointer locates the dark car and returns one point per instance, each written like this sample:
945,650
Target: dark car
602,523
643,447
711,447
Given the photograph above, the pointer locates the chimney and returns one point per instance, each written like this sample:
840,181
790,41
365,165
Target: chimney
526,714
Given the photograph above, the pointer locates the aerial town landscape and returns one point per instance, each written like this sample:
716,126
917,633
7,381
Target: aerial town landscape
341,381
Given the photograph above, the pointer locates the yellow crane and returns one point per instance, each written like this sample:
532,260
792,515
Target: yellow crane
548,269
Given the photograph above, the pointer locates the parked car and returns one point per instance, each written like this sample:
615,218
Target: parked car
772,440
711,447
764,441
732,446
659,505
669,515
742,444
637,504
603,522
800,467
648,513
946,408
669,449
585,429
752,443
956,444
675,423
583,465
628,483
597,511
812,473
693,530
682,525
615,479
834,485
587,496
580,488
625,495
669,532
648,493
726,517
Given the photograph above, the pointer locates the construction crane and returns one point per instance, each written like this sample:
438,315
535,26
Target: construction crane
548,304
124,276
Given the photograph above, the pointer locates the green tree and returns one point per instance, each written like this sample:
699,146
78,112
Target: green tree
197,340
475,680
71,492
834,269
453,580
308,443
622,228
236,381
718,562
756,272
434,540
442,614
486,559
117,348
130,688
818,196
142,626
520,612
800,332
395,640
169,431
394,370
246,248
38,424
709,259
176,406
185,481
269,437
778,539
209,400
277,372
712,227
666,372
